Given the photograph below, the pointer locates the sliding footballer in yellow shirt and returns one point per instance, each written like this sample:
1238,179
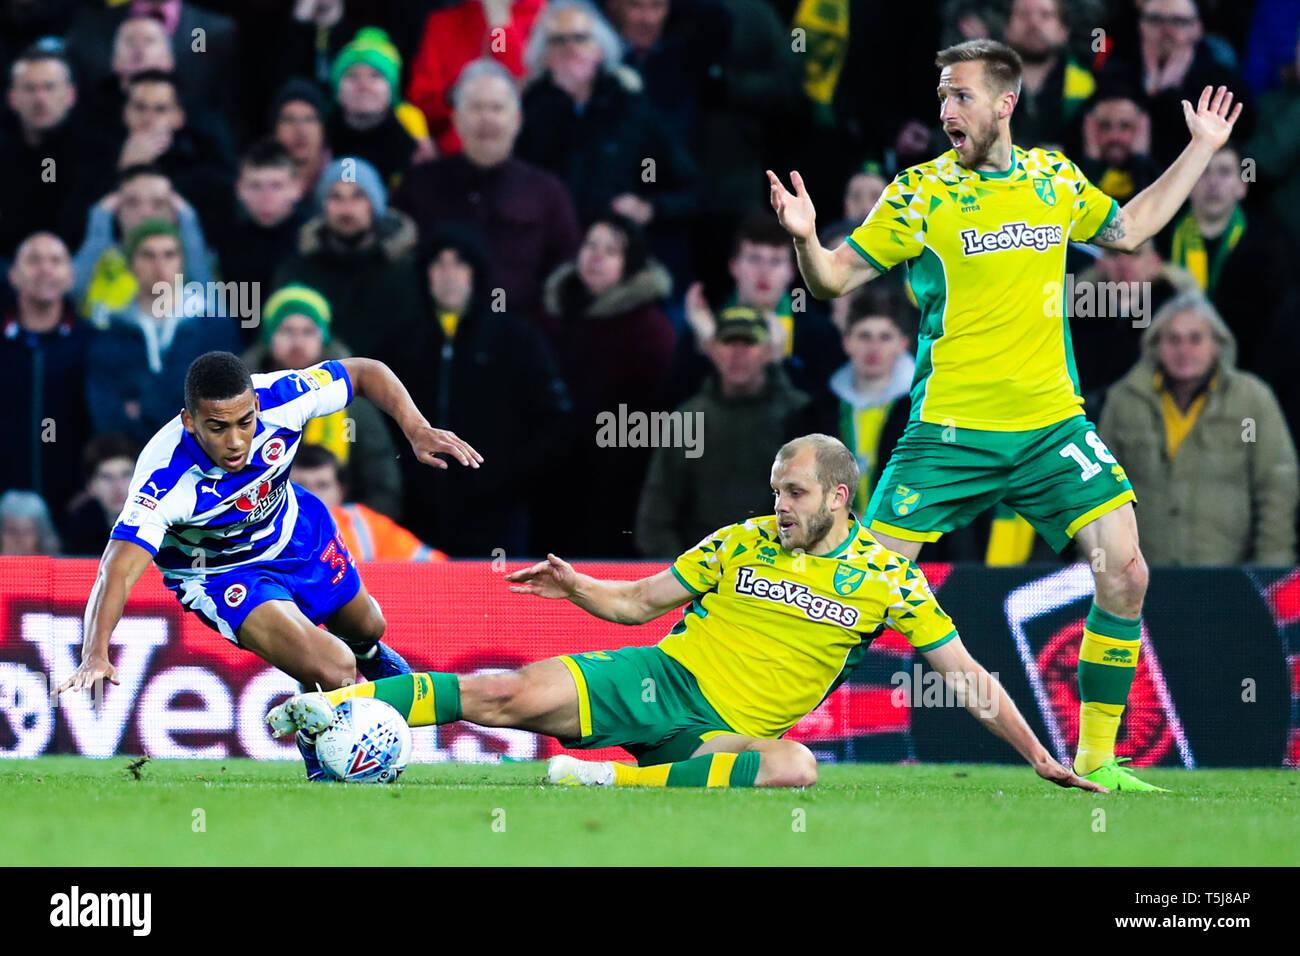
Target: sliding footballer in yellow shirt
779,610
996,410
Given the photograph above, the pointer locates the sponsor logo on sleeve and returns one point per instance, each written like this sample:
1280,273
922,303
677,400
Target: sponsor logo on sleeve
145,501
315,378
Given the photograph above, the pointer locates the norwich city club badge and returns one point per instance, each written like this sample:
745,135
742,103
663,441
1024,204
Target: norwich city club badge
1045,191
905,500
847,578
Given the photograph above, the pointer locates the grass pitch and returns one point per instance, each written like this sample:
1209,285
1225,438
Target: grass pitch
72,811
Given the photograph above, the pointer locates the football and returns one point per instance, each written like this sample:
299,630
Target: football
368,742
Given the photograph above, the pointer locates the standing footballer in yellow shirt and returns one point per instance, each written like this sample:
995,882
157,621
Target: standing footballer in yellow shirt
996,410
779,610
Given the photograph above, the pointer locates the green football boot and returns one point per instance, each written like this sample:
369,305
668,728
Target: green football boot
1114,777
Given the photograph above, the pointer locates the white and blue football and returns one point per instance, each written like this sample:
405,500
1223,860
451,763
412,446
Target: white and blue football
368,742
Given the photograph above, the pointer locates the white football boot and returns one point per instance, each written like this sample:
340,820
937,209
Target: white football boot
565,771
310,713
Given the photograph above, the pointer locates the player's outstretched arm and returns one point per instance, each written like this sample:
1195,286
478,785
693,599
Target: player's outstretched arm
121,566
990,704
375,380
623,602
828,273
1210,125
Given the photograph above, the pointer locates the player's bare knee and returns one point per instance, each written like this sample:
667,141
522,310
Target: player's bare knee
496,697
803,767
1125,584
792,766
340,669
1137,576
375,626
1125,587
331,670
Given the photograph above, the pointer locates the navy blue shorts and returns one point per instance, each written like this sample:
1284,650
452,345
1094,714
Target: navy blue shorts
314,571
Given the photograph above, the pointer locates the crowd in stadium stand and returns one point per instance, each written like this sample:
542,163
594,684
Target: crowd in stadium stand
545,213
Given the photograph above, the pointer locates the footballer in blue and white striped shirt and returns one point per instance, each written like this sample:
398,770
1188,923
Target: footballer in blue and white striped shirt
257,557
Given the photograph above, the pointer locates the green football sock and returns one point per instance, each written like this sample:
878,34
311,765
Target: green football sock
1108,660
422,699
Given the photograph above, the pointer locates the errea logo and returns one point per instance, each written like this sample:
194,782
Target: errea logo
1012,235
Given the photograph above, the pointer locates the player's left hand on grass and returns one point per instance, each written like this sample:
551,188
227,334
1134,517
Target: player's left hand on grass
91,671
428,442
1211,121
1063,776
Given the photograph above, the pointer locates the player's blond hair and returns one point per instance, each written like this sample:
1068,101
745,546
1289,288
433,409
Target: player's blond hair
835,466
1002,65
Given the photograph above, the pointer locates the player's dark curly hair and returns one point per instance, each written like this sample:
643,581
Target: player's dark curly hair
215,376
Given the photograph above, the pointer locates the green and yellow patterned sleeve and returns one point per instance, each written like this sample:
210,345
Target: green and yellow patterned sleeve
700,568
1092,210
913,610
894,230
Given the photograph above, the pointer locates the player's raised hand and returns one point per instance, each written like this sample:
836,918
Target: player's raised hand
552,578
1063,776
91,670
1211,122
795,210
428,442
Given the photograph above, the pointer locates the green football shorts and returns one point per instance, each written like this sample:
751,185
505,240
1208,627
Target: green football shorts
642,700
940,477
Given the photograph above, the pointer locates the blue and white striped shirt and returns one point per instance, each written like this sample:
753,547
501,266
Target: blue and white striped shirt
194,517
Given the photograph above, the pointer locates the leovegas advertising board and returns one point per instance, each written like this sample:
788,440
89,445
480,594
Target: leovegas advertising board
185,692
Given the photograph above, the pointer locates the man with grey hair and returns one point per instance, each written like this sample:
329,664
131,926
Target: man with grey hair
524,212
779,610
25,525
588,121
453,36
1204,444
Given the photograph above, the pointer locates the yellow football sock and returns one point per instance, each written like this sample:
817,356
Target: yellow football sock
708,770
1098,728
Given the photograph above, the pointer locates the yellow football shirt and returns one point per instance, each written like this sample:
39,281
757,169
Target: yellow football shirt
772,632
986,260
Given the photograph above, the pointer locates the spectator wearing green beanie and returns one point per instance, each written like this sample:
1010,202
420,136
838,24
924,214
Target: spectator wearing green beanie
296,300
366,76
372,47
146,230
296,330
